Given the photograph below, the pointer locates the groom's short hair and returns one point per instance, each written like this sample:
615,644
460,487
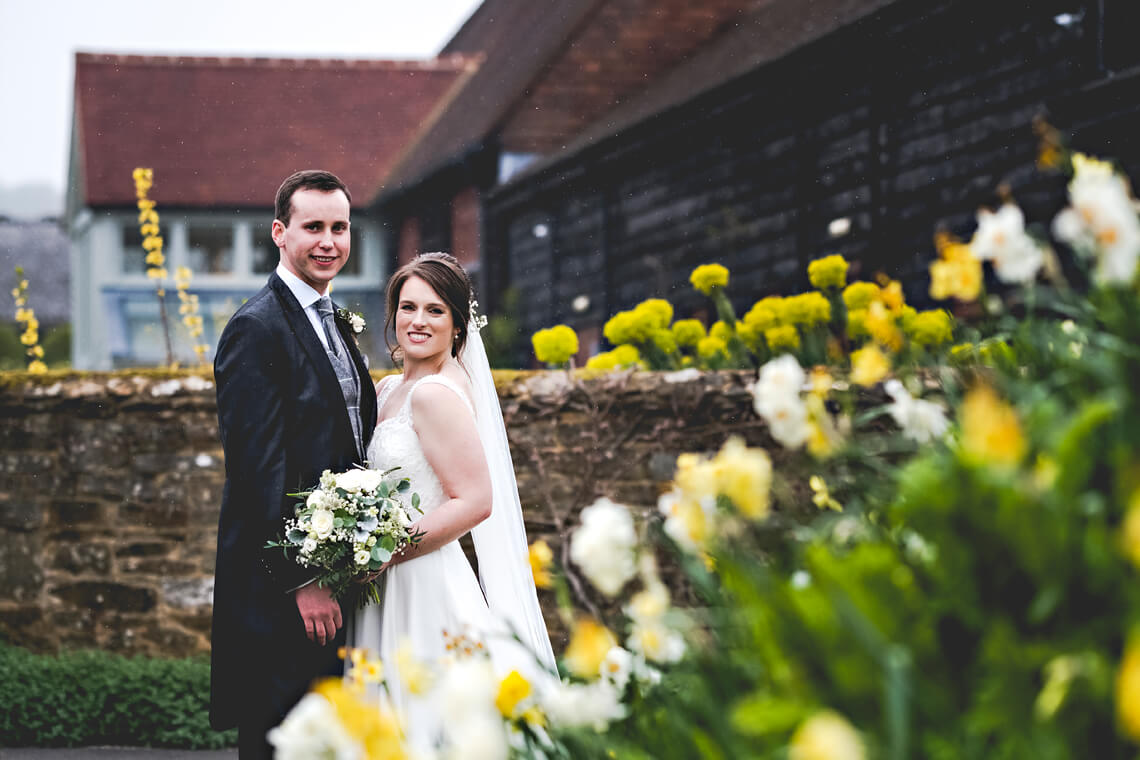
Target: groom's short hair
309,179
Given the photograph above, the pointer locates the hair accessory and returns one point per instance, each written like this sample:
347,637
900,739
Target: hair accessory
476,321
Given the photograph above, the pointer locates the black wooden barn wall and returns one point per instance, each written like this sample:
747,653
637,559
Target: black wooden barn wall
904,121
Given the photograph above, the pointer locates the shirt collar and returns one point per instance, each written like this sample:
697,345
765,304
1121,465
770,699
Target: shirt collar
300,289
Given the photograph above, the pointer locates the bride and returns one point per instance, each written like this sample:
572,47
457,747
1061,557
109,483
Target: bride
440,422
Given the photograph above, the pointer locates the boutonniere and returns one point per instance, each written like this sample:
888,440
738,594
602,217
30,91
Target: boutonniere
354,320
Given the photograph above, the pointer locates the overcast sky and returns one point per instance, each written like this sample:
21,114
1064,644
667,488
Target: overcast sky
39,39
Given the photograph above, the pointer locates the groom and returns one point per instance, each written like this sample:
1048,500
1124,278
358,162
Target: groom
294,399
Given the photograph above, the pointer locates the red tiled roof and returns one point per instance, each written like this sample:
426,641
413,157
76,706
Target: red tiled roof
226,131
518,38
624,47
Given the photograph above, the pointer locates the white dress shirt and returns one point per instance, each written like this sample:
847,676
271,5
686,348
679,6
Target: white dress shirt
308,298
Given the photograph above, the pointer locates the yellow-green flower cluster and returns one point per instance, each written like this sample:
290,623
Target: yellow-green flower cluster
30,337
709,278
621,357
188,308
929,328
782,338
957,273
148,226
637,326
712,347
807,309
688,332
555,345
860,295
828,273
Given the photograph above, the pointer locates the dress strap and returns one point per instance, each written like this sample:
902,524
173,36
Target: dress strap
384,389
445,381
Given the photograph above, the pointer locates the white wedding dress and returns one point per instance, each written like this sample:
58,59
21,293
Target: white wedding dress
430,598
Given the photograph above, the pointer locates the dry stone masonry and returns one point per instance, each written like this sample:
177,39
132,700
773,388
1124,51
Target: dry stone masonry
110,487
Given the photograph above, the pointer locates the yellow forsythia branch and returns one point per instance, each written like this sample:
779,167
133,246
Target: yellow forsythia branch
26,316
189,311
152,244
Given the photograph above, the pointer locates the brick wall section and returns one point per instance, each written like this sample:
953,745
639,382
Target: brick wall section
465,228
110,487
409,244
625,44
908,120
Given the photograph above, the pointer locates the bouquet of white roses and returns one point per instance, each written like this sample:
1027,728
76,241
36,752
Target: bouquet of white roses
350,525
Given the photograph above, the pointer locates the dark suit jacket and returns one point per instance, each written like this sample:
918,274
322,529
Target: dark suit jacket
283,421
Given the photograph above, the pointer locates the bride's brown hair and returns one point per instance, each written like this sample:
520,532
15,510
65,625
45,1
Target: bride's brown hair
441,271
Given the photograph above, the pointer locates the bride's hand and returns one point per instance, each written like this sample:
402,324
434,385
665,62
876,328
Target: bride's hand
370,577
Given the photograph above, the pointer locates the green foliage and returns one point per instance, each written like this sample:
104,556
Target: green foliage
57,347
11,350
978,595
95,698
502,335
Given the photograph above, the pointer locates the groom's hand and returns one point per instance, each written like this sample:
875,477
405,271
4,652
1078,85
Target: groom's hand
319,611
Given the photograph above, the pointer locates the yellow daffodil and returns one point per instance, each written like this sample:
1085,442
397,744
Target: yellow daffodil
375,727
744,476
826,735
541,560
414,674
512,690
1128,690
821,496
869,365
1130,530
991,432
590,641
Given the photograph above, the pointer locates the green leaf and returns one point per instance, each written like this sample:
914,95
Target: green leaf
761,714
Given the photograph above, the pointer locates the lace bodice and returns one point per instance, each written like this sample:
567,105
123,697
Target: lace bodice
395,442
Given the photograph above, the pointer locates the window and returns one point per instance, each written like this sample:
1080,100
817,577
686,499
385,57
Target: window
210,248
356,252
134,257
265,252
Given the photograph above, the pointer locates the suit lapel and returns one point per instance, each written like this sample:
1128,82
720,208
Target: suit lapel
303,331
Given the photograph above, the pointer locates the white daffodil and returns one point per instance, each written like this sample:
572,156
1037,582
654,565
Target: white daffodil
594,704
604,545
313,729
921,421
780,380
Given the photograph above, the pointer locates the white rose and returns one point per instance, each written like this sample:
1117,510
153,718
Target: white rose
316,499
308,546
351,481
362,556
603,545
357,322
322,522
370,480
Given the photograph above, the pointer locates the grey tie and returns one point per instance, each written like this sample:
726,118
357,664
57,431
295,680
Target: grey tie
341,361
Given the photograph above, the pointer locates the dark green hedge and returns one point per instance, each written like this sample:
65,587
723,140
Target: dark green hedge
95,698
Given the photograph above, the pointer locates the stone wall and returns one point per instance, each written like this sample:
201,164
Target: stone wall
110,487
